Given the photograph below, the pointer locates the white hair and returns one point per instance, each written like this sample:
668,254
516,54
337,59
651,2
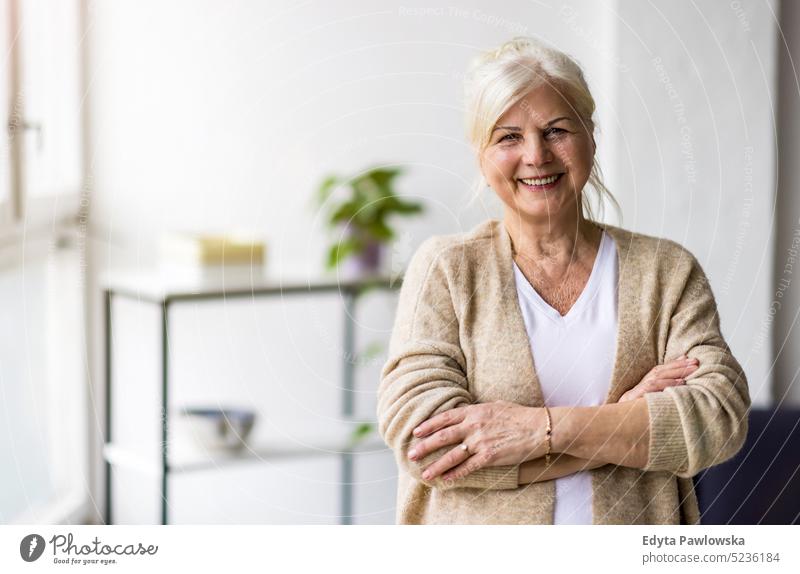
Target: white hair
500,78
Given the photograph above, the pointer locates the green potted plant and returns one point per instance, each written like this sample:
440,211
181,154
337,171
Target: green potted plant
357,210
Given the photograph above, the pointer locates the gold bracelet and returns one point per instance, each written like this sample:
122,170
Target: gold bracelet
548,433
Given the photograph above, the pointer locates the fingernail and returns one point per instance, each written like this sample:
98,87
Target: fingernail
426,475
412,453
416,432
681,381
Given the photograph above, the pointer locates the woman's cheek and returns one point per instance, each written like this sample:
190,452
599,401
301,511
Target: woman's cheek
500,158
508,157
501,163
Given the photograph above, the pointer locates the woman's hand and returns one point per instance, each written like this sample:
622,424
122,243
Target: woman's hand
502,433
660,377
495,434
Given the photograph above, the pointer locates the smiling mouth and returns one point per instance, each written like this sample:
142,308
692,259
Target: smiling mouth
541,182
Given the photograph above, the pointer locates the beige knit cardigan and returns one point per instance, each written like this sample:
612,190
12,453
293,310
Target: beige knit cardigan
459,338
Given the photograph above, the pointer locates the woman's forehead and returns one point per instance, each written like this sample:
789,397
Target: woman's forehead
541,106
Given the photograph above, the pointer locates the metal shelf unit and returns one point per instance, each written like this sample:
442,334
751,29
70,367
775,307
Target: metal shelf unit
166,292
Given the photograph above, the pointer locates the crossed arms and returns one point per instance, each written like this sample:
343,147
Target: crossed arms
680,428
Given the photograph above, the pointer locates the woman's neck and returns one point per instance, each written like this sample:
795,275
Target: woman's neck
557,240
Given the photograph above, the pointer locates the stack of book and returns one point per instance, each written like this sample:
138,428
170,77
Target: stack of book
198,252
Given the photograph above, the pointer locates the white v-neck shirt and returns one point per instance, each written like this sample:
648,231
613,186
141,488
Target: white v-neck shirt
574,357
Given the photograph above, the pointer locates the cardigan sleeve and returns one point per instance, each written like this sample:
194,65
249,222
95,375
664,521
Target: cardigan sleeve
426,372
704,422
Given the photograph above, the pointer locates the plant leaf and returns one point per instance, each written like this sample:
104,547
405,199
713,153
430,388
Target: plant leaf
407,207
361,432
325,188
372,350
342,250
383,176
345,213
379,230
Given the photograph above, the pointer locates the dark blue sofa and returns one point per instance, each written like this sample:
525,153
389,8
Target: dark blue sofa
761,484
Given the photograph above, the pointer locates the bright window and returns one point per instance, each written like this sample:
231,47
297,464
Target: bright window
43,398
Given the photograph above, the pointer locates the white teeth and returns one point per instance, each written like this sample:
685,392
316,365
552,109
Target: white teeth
542,181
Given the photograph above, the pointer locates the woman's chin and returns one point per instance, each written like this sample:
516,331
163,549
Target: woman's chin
529,214
539,210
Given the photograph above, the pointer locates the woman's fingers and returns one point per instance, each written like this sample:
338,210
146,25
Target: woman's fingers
676,371
461,466
445,419
660,377
661,384
444,437
453,458
650,386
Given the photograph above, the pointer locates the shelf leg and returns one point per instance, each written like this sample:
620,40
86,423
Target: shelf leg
347,488
348,406
107,321
164,409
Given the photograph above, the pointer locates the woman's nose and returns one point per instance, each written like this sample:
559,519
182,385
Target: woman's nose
537,151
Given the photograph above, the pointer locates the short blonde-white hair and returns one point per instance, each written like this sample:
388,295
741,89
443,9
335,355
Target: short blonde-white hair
500,78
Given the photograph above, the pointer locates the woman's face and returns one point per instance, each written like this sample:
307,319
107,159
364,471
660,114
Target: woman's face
539,156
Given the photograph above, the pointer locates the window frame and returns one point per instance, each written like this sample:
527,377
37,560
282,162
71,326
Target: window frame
39,223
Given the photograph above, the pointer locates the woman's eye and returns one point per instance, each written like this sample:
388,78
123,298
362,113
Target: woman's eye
509,137
554,132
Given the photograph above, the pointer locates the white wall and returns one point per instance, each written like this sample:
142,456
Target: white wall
696,155
212,114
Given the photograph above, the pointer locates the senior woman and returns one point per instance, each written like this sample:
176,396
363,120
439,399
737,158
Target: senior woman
548,368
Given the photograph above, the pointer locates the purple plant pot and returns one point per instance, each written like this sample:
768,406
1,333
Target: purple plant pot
367,263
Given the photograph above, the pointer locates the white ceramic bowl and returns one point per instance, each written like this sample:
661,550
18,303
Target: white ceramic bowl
217,428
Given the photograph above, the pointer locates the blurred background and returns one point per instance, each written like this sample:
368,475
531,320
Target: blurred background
206,208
